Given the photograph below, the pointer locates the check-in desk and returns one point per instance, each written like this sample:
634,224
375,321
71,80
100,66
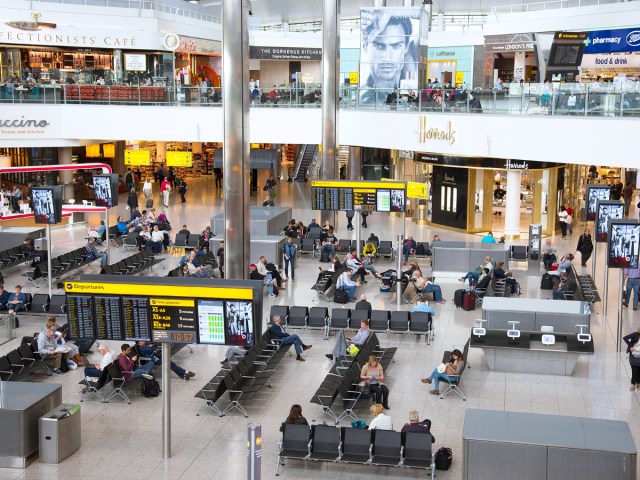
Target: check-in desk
270,246
466,256
22,405
528,354
532,446
534,313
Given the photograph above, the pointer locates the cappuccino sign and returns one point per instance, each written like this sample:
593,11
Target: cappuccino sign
22,126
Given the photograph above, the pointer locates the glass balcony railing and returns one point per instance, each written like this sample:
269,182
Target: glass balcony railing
582,99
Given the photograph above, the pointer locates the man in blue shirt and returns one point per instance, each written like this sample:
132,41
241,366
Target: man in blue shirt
16,300
423,306
361,337
488,238
633,285
278,332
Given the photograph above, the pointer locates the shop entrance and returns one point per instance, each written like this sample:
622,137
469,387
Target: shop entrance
500,197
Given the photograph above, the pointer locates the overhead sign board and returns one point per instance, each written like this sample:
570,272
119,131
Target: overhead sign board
137,157
179,159
417,190
388,196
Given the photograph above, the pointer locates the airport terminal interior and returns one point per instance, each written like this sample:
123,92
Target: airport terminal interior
125,439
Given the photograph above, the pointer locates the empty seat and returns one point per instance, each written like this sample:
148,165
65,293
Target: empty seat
339,318
40,303
326,443
318,318
356,445
387,448
379,320
298,317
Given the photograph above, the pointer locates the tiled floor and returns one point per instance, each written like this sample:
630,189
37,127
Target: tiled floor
120,440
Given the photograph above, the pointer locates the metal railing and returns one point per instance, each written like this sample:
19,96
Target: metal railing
177,8
548,5
587,99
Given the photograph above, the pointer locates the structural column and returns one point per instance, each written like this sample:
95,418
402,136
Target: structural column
355,163
379,3
161,152
512,206
330,67
66,176
235,78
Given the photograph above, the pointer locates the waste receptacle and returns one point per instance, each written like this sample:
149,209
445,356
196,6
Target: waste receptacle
60,434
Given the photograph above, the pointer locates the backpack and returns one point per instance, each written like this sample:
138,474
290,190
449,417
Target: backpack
420,249
150,388
443,458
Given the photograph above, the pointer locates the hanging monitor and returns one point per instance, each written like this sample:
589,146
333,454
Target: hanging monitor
47,204
105,190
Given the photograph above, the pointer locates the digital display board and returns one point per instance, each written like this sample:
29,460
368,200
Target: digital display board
596,192
622,246
105,190
47,204
163,313
173,320
354,195
607,211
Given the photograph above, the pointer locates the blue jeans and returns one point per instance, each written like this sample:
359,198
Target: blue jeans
558,294
437,291
146,368
351,290
295,340
633,284
293,267
436,376
406,251
98,255
92,372
267,281
328,250
471,276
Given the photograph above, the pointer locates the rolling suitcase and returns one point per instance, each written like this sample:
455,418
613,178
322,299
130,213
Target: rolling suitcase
458,297
469,301
547,282
149,202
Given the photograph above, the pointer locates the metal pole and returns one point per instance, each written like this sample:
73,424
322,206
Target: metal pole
399,272
166,400
106,224
606,291
50,275
595,256
330,69
619,323
254,454
358,225
235,78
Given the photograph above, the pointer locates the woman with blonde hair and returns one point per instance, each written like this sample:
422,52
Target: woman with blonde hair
381,420
373,376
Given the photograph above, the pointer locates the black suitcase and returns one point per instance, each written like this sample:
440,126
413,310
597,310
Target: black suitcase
458,297
341,296
149,202
469,301
547,282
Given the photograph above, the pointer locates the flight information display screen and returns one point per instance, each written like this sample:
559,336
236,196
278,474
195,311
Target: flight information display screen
352,195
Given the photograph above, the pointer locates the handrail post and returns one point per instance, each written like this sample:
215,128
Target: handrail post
621,103
495,96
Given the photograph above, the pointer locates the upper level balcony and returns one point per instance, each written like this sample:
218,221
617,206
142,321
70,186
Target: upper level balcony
620,99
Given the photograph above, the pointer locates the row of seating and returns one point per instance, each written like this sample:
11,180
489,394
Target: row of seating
114,93
356,445
60,266
133,264
14,256
187,241
41,304
344,377
586,288
246,377
113,374
382,321
22,362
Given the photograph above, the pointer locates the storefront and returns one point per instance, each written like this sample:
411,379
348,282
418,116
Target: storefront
279,66
611,55
46,53
198,59
451,65
511,58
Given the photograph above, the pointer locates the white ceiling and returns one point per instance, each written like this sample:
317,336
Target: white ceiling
271,11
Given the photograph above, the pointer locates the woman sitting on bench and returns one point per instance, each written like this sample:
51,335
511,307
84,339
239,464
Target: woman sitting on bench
424,285
505,275
475,276
449,372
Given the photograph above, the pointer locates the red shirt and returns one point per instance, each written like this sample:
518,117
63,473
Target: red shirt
165,185
570,211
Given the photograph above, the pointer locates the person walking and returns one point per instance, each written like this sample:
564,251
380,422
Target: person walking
627,194
364,214
633,285
350,214
562,218
132,200
147,189
633,349
289,253
165,188
182,189
585,246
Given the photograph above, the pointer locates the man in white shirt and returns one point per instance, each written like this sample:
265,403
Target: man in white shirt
345,283
108,357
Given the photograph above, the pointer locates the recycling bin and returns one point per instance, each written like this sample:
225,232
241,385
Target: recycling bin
60,433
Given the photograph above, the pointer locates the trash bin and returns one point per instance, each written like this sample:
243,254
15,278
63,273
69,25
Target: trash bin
60,433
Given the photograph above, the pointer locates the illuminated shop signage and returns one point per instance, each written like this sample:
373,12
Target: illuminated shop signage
428,133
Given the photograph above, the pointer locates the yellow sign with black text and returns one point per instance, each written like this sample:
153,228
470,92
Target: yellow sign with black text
137,157
158,290
179,159
417,190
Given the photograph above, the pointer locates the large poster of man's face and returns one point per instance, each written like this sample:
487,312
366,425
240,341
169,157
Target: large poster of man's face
607,211
623,245
389,51
595,193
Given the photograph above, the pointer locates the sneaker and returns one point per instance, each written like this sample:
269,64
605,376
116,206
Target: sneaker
299,358
329,356
293,279
188,375
147,376
625,304
57,371
224,362
461,279
425,380
284,279
434,392
306,347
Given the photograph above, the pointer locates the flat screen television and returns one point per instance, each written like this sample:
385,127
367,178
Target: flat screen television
105,190
47,204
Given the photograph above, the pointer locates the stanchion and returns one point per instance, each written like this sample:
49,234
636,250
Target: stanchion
619,323
166,400
605,292
106,224
50,274
356,218
399,272
254,453
595,256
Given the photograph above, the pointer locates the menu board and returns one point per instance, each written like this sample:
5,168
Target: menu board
355,195
80,316
108,318
135,313
173,320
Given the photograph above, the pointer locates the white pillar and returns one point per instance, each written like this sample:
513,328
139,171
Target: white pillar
512,206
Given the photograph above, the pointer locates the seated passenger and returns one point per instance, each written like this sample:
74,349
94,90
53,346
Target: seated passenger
142,349
108,356
128,365
16,300
423,306
265,279
373,376
345,283
278,332
424,285
121,226
567,285
295,417
475,276
408,248
415,426
565,263
452,368
381,420
501,274
488,238
485,280
329,245
363,304
48,348
4,297
94,254
548,254
353,262
202,271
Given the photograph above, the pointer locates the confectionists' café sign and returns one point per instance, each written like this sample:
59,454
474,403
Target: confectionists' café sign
52,35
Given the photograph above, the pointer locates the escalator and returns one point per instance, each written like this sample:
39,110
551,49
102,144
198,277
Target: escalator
304,161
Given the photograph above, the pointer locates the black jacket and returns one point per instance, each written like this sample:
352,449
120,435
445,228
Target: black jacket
585,244
631,340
